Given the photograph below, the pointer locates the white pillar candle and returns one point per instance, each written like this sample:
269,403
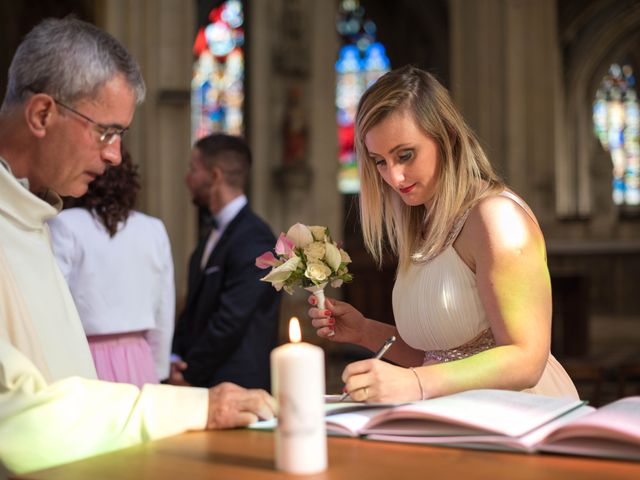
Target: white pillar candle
297,383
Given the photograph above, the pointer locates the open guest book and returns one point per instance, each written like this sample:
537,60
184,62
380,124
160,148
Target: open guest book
500,420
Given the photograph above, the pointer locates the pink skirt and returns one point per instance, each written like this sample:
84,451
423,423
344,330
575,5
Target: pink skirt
123,357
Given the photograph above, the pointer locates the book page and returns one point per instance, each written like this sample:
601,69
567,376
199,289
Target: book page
591,447
344,407
619,419
498,443
612,431
495,411
334,408
351,423
527,443
264,424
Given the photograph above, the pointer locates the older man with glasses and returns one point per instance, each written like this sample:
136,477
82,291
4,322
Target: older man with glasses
71,95
108,133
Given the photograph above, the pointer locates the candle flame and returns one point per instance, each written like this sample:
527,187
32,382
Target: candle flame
294,330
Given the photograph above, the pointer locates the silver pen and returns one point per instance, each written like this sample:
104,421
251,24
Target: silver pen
377,356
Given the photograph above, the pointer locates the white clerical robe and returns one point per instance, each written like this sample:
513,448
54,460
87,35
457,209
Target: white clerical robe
52,409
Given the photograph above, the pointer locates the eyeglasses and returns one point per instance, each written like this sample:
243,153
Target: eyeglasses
108,133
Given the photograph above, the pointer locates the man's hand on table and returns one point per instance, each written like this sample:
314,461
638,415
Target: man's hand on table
232,406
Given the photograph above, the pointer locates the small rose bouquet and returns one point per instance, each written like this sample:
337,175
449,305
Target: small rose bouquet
306,256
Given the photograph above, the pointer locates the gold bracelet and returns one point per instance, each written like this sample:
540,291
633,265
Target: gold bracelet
419,382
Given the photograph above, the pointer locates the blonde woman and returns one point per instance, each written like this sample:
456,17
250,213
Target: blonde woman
472,298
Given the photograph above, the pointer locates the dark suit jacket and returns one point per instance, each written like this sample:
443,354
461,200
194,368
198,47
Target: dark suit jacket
230,321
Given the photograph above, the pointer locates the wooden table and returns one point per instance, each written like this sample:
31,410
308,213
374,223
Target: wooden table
245,454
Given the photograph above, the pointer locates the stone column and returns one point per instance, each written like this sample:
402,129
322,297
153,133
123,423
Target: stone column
506,73
159,33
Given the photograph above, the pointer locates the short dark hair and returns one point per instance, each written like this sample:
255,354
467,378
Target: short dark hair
228,152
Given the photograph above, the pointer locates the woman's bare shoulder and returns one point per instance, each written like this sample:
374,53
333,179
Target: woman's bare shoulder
498,223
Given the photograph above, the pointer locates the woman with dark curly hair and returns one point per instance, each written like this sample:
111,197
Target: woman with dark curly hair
119,268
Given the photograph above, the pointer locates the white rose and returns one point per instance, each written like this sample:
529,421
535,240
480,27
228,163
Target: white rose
332,256
300,235
317,272
314,251
318,232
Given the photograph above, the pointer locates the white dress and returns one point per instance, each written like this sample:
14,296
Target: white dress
120,284
437,309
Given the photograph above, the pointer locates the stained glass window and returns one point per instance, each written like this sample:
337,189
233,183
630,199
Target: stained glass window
616,123
361,61
217,87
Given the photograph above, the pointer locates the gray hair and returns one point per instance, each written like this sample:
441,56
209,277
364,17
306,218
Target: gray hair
69,59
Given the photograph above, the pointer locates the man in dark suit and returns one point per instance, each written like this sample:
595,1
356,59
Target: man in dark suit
229,323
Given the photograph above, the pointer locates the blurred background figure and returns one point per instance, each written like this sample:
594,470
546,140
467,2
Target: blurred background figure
229,323
119,268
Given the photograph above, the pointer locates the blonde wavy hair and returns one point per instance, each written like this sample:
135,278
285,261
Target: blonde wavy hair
464,173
